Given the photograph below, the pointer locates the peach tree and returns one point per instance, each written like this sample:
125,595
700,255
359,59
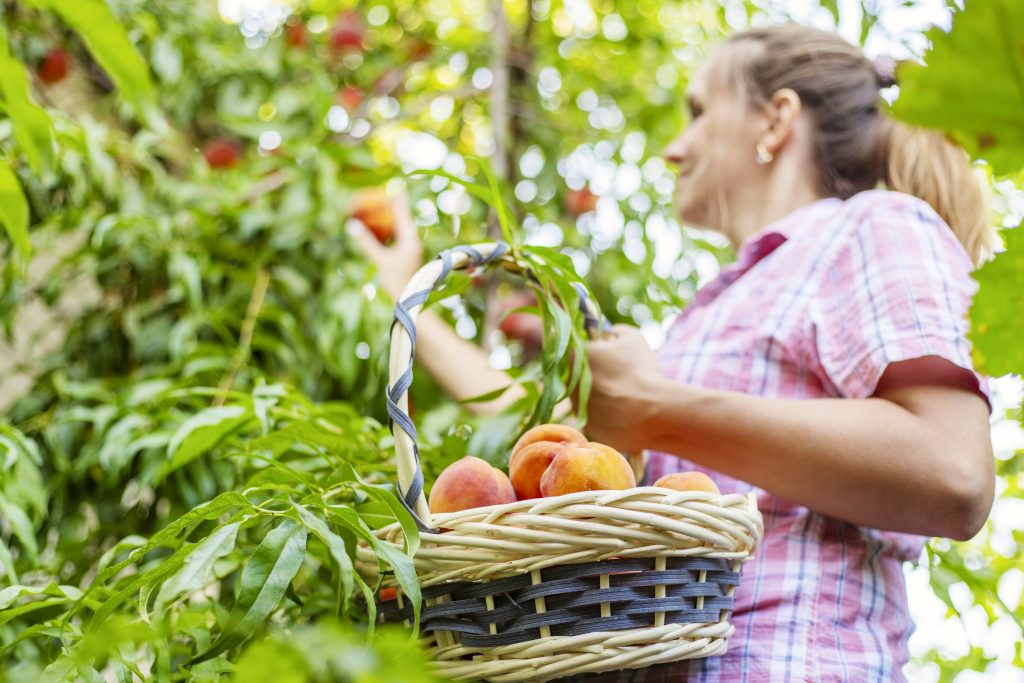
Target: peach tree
185,475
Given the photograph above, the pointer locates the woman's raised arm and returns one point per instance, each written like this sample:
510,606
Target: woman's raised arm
461,367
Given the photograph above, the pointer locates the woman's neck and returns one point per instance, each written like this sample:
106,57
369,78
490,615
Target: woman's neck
750,216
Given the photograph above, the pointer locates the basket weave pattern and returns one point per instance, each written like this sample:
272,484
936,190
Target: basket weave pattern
586,582
579,599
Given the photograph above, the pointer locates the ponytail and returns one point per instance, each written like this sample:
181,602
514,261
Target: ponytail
923,163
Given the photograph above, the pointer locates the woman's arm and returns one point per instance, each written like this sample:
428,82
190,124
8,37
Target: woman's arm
461,368
916,457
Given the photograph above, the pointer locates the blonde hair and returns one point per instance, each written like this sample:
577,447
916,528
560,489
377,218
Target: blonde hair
857,145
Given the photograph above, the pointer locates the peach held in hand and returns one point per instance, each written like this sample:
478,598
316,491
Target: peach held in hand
589,467
688,481
533,453
470,483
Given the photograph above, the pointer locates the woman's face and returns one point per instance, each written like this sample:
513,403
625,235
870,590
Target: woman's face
715,153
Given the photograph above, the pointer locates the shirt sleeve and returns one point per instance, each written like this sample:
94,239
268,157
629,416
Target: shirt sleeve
897,287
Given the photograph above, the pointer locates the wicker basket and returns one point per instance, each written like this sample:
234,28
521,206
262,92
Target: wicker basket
586,582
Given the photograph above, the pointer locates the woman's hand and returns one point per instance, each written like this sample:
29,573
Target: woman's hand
398,261
626,377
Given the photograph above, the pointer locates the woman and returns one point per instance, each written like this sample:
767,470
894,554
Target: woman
826,369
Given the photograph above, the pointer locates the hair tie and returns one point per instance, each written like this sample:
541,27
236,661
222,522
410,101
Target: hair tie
885,71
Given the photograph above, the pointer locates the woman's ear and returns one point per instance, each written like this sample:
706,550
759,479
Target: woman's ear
781,115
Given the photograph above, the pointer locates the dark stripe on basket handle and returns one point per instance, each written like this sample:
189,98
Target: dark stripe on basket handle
403,349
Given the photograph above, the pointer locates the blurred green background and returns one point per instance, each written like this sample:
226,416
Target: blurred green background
193,354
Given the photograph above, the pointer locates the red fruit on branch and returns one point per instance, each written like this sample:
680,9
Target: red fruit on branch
419,49
54,66
221,153
347,33
296,35
579,202
349,97
526,328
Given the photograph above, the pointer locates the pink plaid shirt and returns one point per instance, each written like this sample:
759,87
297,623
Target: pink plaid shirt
817,305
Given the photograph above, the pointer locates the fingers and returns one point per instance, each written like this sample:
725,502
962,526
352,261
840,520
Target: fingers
405,228
366,241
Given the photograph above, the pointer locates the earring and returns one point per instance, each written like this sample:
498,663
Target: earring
763,155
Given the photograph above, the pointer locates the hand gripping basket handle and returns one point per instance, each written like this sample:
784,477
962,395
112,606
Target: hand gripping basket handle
403,346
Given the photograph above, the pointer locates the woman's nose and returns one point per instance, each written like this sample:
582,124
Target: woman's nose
673,152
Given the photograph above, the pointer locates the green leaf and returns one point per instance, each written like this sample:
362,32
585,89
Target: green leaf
504,217
405,570
9,595
154,576
336,547
409,529
202,432
15,612
477,190
64,669
997,325
7,562
55,595
22,527
109,45
14,210
262,584
198,567
271,661
32,126
973,84
211,510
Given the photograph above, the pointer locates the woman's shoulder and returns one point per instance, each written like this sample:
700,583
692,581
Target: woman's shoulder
873,206
897,224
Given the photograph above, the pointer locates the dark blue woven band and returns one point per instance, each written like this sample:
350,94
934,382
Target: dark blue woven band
573,598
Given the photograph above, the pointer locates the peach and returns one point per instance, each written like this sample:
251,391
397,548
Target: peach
373,207
470,483
549,432
688,481
533,453
588,467
578,202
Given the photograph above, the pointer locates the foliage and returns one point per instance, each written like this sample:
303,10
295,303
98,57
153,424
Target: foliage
183,486
948,93
972,80
996,325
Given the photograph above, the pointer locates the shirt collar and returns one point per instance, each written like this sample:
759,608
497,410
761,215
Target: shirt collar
772,236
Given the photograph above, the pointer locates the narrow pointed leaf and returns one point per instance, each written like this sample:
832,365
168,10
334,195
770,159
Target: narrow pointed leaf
196,572
32,126
335,546
262,584
14,210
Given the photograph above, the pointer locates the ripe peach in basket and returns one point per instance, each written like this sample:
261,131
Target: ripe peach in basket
470,483
533,453
588,467
688,481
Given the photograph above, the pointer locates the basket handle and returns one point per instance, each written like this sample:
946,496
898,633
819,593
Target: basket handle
403,347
